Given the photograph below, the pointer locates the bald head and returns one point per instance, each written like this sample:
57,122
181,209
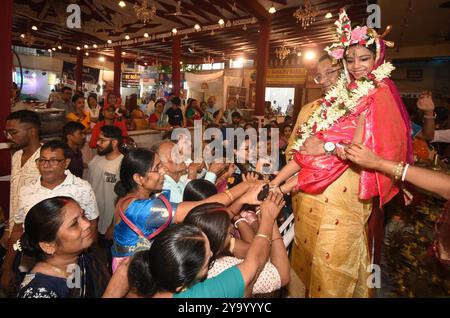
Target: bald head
167,152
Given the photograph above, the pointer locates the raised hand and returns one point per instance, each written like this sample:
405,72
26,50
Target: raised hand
425,103
272,205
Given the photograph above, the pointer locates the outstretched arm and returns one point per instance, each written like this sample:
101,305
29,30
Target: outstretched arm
288,171
429,180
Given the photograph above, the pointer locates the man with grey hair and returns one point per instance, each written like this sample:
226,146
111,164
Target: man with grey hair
178,173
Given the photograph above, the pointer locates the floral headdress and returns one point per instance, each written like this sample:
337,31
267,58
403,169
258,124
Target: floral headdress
359,35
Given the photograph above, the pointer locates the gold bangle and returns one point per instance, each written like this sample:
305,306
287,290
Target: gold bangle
265,237
229,195
398,170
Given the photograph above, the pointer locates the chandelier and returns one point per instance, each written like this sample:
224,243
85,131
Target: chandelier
28,39
306,15
143,13
208,60
282,52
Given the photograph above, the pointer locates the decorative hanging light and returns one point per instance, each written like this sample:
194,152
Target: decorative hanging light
144,13
307,14
282,52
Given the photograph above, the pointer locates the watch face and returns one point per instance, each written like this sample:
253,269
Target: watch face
329,146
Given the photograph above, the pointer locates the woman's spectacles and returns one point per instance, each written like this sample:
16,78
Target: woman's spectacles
318,78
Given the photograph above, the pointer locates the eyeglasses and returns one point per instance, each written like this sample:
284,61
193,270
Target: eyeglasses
318,78
51,162
12,133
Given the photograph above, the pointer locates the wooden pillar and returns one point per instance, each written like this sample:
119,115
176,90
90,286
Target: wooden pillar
79,71
117,70
176,58
6,67
297,103
262,62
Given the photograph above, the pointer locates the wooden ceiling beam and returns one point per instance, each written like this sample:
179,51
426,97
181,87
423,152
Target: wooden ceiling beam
257,10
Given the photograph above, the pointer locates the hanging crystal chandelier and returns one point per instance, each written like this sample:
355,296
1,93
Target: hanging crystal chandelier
282,52
307,14
143,13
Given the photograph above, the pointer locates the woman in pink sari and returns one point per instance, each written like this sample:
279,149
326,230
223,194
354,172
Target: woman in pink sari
331,253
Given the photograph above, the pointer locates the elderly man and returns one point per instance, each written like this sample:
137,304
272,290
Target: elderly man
327,76
178,175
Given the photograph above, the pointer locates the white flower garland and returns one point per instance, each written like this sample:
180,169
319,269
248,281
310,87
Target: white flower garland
339,102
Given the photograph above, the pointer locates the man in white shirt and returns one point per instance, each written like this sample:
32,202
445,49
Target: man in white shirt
22,131
54,181
103,174
290,108
212,108
176,179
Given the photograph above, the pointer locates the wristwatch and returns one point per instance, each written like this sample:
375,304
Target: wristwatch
329,148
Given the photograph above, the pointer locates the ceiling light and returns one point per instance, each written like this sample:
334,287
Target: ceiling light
49,50
109,41
86,46
34,28
299,54
127,37
310,55
146,35
101,58
94,46
53,49
221,22
197,27
87,53
145,63
59,47
272,9
174,31
329,15
78,48
122,4
123,53
22,36
181,62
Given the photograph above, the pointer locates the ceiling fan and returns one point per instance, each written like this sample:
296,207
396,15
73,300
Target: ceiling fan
178,12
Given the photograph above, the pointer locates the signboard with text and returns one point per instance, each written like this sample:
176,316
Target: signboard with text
130,79
286,76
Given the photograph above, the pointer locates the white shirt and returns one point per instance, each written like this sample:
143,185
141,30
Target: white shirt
290,109
103,175
20,175
441,136
74,187
177,188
